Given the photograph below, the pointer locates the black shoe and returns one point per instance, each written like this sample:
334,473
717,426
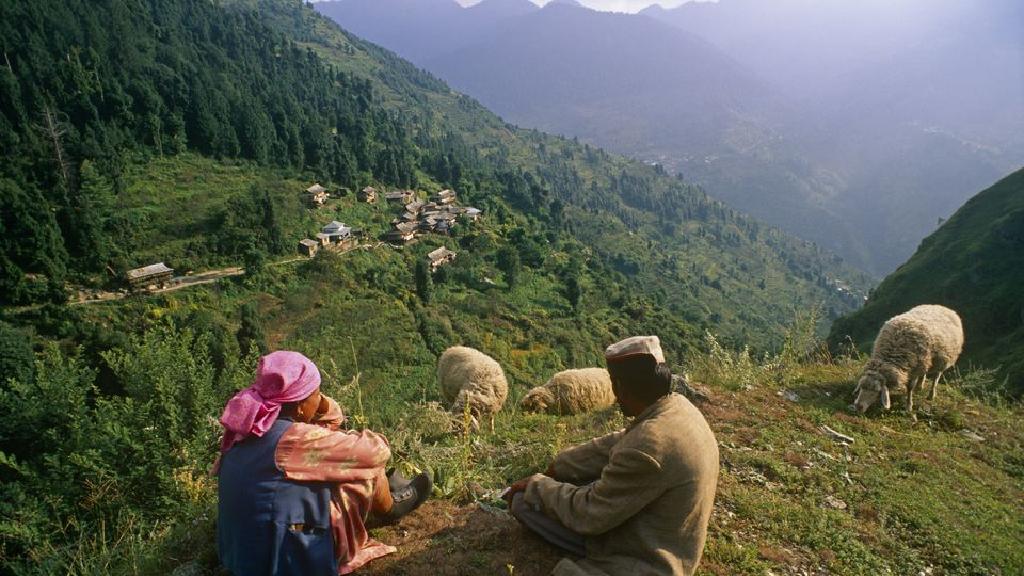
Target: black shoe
406,496
396,481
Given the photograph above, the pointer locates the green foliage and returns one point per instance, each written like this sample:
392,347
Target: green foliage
509,263
728,369
16,359
86,464
251,334
101,85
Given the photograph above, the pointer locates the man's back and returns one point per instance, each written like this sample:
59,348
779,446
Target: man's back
648,511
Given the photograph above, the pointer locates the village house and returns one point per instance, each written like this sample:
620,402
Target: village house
408,216
308,247
402,233
323,239
339,236
368,195
414,207
336,231
400,196
440,257
153,275
472,214
444,197
427,224
316,195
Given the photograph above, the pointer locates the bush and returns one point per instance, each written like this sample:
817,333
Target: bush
83,474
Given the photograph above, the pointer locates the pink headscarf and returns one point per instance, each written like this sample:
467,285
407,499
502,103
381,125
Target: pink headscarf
281,377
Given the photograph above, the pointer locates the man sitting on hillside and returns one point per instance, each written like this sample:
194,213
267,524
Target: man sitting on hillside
636,501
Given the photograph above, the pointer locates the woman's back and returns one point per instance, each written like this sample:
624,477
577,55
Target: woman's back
268,525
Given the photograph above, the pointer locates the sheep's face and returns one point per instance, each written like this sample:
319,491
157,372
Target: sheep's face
536,400
871,388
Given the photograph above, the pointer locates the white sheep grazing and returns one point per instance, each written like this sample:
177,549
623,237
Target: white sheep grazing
471,378
910,348
571,392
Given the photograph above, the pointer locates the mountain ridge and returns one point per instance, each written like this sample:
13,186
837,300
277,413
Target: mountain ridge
806,165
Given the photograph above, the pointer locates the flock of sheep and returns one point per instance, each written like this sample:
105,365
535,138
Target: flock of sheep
910,348
473,382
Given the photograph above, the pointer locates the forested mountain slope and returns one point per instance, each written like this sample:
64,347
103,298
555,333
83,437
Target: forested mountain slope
286,90
974,264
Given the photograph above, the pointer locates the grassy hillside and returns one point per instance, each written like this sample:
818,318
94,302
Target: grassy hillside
942,495
974,264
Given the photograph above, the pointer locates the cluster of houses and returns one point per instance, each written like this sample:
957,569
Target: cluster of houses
437,215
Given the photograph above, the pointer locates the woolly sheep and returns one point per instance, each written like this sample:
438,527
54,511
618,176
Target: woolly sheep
471,378
571,392
910,348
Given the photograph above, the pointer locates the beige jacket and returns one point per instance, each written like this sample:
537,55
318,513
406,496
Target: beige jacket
641,496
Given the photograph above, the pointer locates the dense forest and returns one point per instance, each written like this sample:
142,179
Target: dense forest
185,131
87,89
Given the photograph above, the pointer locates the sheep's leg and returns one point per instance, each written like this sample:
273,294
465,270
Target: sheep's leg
912,385
935,384
492,423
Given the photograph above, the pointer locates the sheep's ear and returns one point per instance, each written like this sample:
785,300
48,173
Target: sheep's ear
884,392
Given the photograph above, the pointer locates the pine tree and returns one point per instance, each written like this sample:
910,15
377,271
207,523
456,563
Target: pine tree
250,333
424,283
510,264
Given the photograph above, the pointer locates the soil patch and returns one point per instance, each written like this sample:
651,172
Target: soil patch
443,539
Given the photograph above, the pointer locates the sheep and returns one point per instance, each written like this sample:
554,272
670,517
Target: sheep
910,348
571,392
470,378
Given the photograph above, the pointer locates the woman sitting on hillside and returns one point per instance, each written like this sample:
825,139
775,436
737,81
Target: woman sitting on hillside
296,492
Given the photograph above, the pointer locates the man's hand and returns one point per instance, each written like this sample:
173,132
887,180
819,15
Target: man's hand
516,487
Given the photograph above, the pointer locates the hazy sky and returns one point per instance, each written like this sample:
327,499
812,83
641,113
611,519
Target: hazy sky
608,5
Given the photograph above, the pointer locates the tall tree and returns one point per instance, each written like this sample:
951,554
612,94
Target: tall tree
424,283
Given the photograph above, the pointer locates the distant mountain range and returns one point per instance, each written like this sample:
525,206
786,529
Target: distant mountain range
856,126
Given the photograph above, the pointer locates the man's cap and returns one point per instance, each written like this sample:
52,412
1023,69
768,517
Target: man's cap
635,346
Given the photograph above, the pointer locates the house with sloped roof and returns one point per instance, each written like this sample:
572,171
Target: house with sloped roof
153,275
400,196
316,195
443,197
308,247
368,195
336,231
440,257
402,233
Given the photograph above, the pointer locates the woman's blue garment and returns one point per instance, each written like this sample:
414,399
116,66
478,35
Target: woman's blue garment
268,525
